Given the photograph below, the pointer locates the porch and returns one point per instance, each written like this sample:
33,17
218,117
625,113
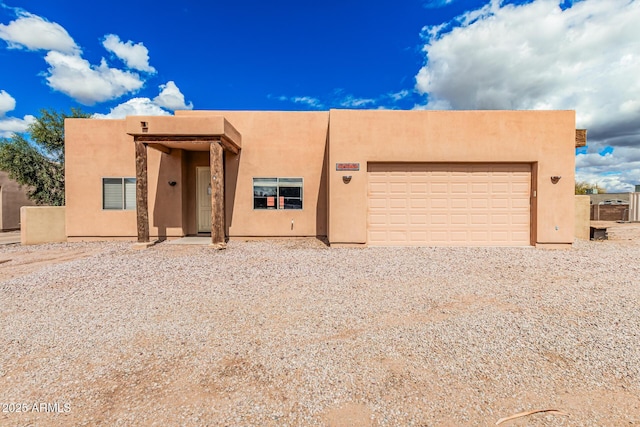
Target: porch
214,135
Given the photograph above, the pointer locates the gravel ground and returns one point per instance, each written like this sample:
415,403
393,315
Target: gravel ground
292,333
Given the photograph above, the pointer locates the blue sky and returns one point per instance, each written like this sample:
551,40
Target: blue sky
144,57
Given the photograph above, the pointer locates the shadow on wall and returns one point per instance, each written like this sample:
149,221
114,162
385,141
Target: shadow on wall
322,207
231,170
167,208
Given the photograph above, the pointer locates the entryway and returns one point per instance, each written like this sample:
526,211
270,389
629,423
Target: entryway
203,199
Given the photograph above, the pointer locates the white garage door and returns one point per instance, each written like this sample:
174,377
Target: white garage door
449,204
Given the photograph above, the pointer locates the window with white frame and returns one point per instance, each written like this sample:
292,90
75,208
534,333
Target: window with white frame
277,193
118,193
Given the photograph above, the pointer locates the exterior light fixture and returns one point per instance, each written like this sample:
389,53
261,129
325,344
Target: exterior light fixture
555,179
172,183
346,179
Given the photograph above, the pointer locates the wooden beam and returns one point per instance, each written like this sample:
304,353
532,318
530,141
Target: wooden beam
142,206
581,137
229,146
216,165
177,138
160,147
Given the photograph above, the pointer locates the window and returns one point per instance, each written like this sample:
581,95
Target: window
277,193
118,193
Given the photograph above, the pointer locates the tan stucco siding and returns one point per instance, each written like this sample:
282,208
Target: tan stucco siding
276,144
542,138
97,149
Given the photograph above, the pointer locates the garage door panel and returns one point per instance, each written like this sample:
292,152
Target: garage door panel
439,236
418,236
398,236
460,188
418,203
419,188
377,188
439,203
500,203
449,204
479,219
395,203
459,219
439,219
519,187
459,236
479,203
500,187
460,203
479,236
520,219
520,203
419,219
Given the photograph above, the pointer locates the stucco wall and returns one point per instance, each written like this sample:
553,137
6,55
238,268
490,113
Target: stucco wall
42,224
582,217
543,138
275,144
97,149
308,145
12,197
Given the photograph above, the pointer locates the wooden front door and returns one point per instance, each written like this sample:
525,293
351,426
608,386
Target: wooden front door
203,199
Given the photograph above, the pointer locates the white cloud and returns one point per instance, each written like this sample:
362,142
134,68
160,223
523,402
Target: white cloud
171,98
434,4
397,96
308,100
10,125
618,171
34,33
353,102
135,56
7,103
539,56
74,76
133,107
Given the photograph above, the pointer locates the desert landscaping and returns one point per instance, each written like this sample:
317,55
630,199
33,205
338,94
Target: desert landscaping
293,333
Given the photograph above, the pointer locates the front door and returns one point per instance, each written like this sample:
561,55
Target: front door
203,199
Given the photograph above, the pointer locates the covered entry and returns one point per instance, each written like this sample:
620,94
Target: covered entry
449,204
213,134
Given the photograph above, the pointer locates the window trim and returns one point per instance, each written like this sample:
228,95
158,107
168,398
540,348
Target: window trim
123,193
278,178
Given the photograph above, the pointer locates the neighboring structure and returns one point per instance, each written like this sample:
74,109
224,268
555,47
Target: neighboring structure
12,197
609,198
478,178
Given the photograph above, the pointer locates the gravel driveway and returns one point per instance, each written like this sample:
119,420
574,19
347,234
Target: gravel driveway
291,333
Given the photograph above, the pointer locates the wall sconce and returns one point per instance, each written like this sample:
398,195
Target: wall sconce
555,179
346,179
172,183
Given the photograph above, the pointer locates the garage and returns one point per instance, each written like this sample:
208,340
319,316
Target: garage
440,204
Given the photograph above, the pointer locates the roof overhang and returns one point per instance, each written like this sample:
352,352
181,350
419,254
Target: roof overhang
187,133
581,137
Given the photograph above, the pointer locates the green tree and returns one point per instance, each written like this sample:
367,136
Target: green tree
583,186
37,161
